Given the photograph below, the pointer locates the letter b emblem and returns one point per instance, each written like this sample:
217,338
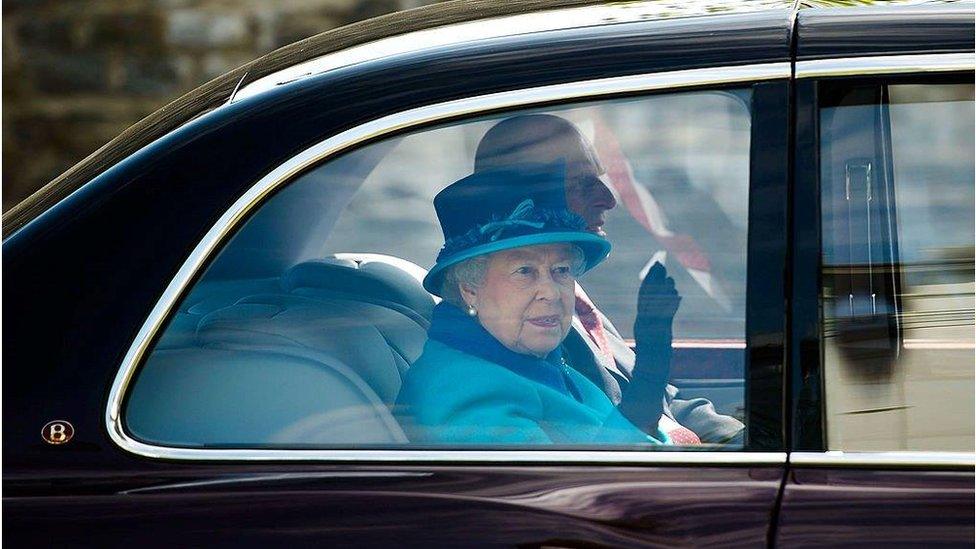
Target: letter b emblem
57,432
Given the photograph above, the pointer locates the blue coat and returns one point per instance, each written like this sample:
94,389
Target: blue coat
452,397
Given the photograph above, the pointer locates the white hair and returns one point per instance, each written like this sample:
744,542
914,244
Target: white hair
472,272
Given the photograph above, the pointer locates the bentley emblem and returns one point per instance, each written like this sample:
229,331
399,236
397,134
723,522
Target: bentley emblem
58,431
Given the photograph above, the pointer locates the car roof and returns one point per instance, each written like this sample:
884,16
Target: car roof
219,90
260,74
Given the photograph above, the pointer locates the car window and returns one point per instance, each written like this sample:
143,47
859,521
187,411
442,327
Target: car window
317,325
897,210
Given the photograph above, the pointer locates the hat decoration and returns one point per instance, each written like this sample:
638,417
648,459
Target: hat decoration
525,216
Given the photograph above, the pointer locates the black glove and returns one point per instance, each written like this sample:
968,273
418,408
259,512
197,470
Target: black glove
657,303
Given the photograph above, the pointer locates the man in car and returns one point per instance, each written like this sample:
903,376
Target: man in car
595,347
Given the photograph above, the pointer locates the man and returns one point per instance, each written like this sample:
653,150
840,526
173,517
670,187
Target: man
595,348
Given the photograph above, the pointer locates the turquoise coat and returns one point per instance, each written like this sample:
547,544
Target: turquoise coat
452,397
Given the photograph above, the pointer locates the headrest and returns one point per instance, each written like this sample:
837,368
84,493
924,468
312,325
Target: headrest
372,280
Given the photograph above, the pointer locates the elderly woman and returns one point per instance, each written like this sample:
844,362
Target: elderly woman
491,371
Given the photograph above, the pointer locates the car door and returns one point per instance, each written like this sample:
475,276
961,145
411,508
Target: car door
883,293
236,306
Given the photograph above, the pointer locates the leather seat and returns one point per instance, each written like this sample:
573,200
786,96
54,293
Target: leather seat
376,343
387,281
250,398
206,297
320,359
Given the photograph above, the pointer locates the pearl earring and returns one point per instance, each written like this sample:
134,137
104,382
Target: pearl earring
472,311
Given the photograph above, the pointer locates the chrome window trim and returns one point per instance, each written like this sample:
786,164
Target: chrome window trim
512,457
897,459
888,64
589,89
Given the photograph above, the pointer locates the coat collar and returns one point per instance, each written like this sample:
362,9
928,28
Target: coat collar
452,327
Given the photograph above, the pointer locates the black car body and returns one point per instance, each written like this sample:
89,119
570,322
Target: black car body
98,261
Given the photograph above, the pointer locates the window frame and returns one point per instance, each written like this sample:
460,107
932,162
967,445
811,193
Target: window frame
808,444
764,324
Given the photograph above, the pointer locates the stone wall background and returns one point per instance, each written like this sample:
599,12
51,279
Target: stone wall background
77,73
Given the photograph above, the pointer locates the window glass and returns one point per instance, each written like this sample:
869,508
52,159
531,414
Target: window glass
449,288
897,207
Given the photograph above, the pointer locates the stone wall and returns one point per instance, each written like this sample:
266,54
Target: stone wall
77,73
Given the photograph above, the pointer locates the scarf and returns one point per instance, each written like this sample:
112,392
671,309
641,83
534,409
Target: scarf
452,327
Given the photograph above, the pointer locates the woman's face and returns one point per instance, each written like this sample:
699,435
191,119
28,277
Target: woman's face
527,299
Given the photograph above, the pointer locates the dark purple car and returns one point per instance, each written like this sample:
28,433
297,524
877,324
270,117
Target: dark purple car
208,322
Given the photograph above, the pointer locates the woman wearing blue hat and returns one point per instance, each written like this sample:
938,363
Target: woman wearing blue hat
491,371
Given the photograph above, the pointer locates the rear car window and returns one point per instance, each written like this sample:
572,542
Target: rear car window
306,327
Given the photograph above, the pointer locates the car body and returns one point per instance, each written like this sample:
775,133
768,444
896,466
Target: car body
98,262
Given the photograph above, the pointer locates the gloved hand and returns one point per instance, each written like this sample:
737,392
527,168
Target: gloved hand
657,303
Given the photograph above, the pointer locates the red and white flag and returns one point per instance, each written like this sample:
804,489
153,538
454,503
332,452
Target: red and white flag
645,210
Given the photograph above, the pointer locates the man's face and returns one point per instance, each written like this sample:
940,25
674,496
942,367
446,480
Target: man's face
588,195
545,139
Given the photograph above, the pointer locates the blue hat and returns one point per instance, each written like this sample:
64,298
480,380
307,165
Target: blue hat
496,210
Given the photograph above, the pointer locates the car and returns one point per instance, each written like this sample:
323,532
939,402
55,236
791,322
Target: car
208,320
